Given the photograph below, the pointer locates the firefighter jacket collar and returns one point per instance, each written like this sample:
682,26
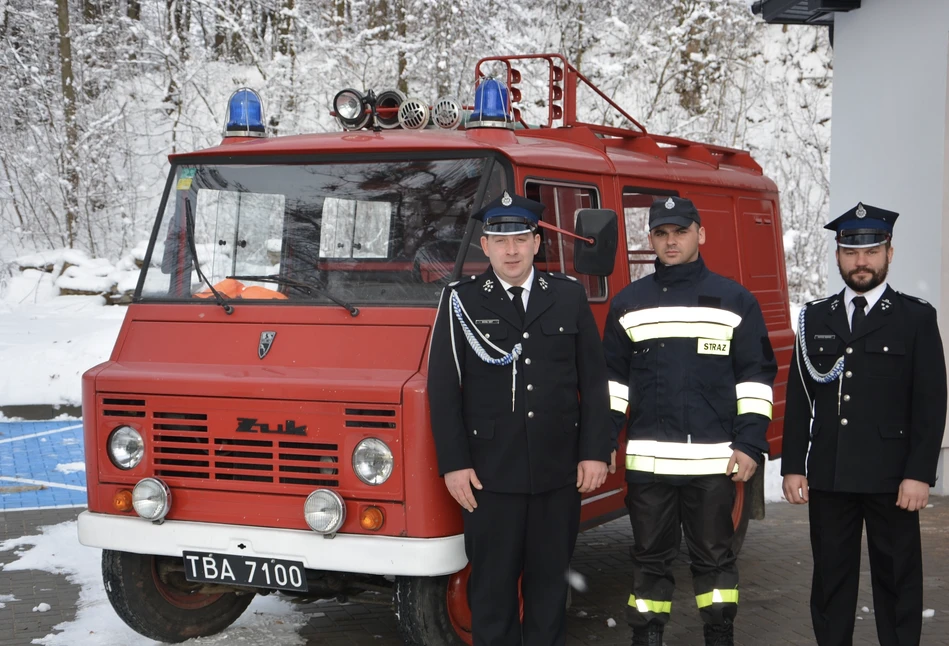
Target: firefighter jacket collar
681,274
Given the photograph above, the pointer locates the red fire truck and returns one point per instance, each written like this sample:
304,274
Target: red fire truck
262,424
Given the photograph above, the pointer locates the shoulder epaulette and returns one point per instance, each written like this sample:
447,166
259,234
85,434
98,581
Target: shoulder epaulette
561,276
464,281
819,300
914,299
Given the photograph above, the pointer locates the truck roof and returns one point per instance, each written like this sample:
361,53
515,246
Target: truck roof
581,147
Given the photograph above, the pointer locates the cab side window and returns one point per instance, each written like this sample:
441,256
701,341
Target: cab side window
556,250
636,205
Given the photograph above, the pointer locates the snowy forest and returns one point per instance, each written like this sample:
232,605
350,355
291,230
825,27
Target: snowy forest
97,93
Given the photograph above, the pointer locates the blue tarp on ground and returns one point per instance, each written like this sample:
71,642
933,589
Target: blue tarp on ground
30,453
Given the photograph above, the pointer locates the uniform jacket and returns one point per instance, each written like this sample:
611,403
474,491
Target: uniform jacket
689,352
884,420
560,399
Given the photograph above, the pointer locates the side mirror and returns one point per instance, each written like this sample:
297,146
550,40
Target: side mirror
595,259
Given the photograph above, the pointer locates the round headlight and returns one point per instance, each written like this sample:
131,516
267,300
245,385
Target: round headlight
151,499
126,447
324,511
350,109
373,461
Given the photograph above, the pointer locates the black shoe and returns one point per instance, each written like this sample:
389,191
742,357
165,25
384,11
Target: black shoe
719,635
650,636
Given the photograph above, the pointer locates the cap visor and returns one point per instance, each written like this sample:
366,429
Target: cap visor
861,240
678,220
506,228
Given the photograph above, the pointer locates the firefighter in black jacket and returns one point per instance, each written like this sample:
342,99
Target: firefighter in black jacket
688,354
867,392
511,350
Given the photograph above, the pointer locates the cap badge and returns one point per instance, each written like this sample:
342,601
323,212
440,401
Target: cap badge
861,212
488,285
670,203
506,200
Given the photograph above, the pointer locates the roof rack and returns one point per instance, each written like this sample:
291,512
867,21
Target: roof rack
562,81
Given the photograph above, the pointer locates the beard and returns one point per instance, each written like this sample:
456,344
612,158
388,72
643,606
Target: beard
864,284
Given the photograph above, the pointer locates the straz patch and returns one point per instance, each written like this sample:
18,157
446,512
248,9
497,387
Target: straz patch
712,346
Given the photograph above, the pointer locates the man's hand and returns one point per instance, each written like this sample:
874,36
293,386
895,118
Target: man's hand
613,461
746,466
459,486
591,474
795,489
914,495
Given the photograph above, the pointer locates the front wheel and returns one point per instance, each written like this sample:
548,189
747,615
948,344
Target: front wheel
166,608
434,610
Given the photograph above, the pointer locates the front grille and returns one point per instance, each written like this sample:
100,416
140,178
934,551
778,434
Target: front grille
202,445
184,448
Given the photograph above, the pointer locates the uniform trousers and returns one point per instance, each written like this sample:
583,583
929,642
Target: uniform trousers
510,534
896,567
659,511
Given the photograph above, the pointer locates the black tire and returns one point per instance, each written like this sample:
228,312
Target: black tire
166,612
421,608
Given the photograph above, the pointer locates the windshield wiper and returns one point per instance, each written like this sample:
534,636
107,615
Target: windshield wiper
280,280
189,230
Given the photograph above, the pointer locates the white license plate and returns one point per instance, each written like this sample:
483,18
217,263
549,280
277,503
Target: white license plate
230,569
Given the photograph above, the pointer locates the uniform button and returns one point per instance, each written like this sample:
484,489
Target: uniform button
820,349
530,414
488,335
661,344
474,432
848,374
849,350
530,386
527,335
846,398
527,362
561,329
844,422
665,289
886,348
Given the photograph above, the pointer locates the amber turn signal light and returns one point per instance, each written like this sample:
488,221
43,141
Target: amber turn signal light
122,500
371,518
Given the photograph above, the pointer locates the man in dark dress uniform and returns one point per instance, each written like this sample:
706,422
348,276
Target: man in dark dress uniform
520,413
867,392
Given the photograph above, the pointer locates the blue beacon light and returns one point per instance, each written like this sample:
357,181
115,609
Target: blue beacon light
490,106
245,115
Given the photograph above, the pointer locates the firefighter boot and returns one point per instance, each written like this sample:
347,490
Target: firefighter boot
719,635
649,636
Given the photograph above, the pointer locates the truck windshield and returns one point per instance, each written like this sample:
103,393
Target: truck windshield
384,233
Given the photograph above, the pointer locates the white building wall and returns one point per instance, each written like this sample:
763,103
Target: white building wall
890,141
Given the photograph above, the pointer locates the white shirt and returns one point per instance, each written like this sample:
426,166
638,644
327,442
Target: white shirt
525,295
872,297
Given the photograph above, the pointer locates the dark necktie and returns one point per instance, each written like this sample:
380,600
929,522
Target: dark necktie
859,314
518,301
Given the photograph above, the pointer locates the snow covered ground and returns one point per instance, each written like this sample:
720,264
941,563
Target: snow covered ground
268,620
